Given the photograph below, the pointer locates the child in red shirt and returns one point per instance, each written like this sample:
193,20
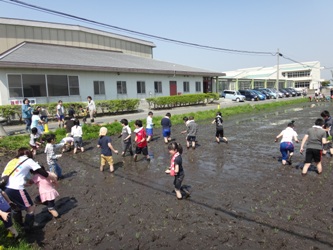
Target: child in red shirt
140,139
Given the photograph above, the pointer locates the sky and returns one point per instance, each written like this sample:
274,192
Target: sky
300,29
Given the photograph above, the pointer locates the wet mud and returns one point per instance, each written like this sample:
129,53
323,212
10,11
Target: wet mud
241,195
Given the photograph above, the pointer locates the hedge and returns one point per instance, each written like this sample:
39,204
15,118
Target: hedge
181,100
104,107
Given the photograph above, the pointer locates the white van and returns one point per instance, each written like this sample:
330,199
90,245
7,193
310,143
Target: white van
233,95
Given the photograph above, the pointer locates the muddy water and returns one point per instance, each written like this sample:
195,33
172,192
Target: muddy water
242,198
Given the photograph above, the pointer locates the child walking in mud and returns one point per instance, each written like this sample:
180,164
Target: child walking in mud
315,138
52,157
47,192
219,128
104,143
35,140
176,169
149,126
76,132
286,144
166,128
140,140
126,140
192,130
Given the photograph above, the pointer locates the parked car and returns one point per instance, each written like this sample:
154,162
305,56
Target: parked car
268,96
278,93
298,93
261,96
291,92
286,93
233,95
271,93
249,95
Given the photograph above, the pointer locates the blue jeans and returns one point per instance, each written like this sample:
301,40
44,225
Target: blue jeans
55,168
27,123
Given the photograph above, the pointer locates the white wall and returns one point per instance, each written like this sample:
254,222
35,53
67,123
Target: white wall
86,80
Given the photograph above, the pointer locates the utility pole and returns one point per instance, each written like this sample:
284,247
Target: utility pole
277,72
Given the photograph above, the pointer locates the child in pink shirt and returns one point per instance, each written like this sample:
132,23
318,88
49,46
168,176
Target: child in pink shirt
47,192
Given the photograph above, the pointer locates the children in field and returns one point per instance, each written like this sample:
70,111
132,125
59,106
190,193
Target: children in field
126,140
35,140
286,144
192,130
149,126
315,138
76,132
219,128
176,168
52,157
328,127
47,192
5,214
166,127
104,143
140,140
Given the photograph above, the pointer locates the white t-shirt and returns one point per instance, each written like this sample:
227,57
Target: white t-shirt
149,122
288,134
91,105
60,109
76,131
17,179
34,121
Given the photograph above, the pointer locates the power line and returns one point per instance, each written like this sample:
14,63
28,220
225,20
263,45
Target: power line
73,17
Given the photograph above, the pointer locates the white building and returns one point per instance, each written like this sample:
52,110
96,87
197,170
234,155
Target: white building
298,75
48,62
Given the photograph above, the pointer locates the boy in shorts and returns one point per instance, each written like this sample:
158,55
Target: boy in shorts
219,128
315,138
60,114
140,140
104,143
192,130
149,126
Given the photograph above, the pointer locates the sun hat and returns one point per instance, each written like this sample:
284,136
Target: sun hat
103,131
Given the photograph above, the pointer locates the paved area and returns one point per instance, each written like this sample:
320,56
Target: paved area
143,111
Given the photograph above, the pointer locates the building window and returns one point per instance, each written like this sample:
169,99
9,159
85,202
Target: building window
244,84
57,85
305,84
295,74
259,84
99,88
141,87
186,87
158,87
121,87
73,83
198,86
29,85
15,86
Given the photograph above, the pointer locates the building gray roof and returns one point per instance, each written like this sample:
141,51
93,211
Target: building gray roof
31,23
47,56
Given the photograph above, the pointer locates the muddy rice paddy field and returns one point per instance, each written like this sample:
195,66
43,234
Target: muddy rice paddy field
242,197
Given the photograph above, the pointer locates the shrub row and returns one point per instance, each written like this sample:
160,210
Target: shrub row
181,100
103,107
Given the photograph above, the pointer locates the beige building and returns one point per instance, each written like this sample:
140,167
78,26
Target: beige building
46,62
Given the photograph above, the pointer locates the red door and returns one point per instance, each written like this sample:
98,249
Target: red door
173,88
